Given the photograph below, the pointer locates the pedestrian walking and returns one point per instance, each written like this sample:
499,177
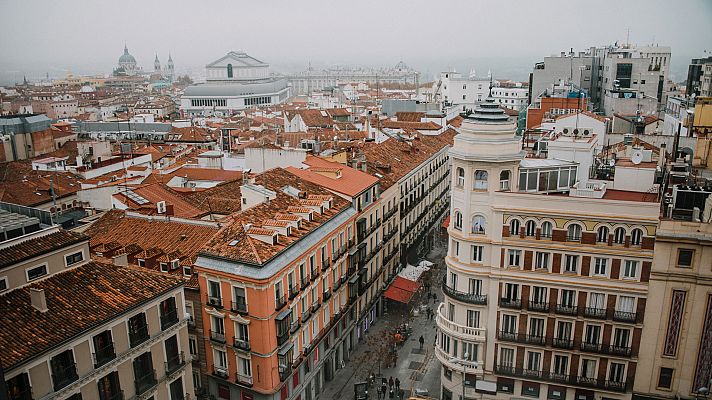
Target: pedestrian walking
421,340
390,382
397,384
383,390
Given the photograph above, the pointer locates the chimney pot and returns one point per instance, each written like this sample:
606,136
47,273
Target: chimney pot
38,299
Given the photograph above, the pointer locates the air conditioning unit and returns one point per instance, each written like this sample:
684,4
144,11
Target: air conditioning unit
161,207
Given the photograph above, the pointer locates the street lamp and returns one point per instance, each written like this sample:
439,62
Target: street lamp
464,362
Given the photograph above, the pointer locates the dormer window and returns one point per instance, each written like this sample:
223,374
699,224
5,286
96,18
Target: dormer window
274,240
164,266
174,264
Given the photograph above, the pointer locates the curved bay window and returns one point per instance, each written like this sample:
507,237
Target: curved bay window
480,180
460,177
504,178
478,225
458,220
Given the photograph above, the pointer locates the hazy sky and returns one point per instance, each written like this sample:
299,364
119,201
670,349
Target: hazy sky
38,36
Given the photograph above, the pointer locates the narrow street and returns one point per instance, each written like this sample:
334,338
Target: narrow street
417,369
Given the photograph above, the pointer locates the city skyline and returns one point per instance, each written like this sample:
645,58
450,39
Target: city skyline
504,37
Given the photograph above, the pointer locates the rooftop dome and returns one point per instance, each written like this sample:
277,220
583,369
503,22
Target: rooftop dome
127,58
489,111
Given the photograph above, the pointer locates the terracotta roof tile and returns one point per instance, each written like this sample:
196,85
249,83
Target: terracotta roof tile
78,300
351,182
39,246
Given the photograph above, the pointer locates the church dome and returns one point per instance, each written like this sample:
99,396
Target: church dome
127,58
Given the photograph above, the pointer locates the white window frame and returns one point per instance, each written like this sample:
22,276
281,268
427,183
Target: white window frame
595,266
7,283
514,253
542,257
66,264
477,253
624,274
27,272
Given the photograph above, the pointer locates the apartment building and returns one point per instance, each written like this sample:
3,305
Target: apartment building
278,296
547,278
79,329
676,347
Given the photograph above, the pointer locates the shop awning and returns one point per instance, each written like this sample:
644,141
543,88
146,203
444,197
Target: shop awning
486,387
401,290
398,294
446,223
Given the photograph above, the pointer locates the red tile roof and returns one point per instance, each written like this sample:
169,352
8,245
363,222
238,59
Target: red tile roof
78,300
248,250
426,126
351,181
20,184
38,246
155,193
409,116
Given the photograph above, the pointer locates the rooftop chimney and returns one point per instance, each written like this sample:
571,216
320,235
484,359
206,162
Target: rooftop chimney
38,299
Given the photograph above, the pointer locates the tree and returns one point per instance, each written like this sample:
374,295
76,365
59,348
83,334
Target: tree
184,80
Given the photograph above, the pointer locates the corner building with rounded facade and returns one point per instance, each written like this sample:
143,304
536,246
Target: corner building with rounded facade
547,271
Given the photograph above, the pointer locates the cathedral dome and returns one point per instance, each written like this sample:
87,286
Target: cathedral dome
126,58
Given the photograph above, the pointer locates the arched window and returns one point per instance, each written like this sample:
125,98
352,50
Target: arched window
478,225
229,70
504,180
514,227
480,180
546,229
574,233
460,177
636,236
602,235
458,220
530,228
619,236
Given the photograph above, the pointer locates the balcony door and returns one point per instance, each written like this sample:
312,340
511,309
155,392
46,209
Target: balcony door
109,387
593,334
509,324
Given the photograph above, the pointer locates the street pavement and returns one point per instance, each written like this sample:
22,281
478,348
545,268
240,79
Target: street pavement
415,368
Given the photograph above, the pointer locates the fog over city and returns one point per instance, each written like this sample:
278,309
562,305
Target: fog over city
50,37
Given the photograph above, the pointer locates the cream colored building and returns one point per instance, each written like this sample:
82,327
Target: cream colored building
78,329
547,278
676,345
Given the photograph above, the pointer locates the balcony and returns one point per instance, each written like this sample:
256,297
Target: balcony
306,313
538,306
293,291
624,316
598,313
284,372
471,298
304,281
598,348
521,338
315,306
239,306
64,376
569,380
104,355
243,380
326,295
295,326
344,278
515,304
169,319
390,213
174,363
562,343
215,301
218,337
242,344
145,382
566,309
325,264
282,338
460,331
314,274
280,302
119,395
220,372
448,361
138,336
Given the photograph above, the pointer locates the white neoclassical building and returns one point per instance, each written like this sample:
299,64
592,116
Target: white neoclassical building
547,271
234,82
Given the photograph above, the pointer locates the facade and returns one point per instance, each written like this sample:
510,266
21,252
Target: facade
24,136
676,345
234,82
311,80
544,295
699,77
452,88
129,342
515,98
561,73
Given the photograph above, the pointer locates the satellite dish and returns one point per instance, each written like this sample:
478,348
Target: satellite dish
637,157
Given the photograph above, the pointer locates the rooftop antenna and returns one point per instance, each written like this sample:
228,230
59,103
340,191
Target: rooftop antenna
627,38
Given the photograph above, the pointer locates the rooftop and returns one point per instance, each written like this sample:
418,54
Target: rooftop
40,243
20,184
78,300
233,241
334,176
